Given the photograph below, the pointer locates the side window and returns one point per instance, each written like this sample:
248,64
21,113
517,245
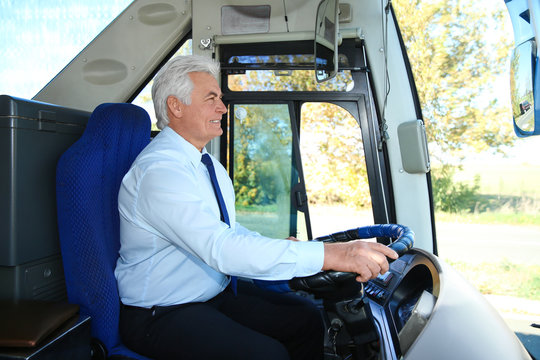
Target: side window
334,168
53,31
264,170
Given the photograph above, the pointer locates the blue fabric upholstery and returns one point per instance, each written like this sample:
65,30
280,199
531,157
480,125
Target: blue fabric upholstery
88,178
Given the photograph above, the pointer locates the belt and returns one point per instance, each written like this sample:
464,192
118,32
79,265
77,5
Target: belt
131,307
153,310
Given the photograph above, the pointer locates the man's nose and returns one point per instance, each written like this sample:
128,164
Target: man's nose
221,107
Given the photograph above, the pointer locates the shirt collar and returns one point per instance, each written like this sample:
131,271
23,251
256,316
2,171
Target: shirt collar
193,154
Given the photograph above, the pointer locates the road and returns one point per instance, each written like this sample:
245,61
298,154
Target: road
473,243
489,243
526,121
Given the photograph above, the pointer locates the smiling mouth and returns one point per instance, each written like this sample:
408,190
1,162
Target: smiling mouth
215,121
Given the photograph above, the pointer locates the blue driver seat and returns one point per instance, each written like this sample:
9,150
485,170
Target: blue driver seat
88,178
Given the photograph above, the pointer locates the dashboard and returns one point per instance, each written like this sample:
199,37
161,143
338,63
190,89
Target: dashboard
423,309
402,300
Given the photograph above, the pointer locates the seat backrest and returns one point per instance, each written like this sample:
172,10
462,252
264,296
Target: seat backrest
88,178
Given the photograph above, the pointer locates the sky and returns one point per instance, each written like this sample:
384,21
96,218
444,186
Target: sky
37,40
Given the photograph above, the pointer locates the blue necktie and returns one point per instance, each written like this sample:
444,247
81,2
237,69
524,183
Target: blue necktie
206,160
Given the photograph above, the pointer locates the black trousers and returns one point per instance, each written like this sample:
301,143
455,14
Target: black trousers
255,324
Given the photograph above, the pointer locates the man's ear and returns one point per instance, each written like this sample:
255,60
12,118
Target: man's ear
175,106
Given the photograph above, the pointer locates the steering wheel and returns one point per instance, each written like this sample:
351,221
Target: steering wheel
329,280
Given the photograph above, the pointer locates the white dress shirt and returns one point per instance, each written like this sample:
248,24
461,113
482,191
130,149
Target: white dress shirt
174,247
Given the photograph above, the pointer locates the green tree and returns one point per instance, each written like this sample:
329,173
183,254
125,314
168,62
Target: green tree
263,148
333,156
451,196
454,65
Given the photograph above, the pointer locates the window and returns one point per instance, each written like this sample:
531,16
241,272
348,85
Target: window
267,178
40,37
334,169
264,170
282,73
299,80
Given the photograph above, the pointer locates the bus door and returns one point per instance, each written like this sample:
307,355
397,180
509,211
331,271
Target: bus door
290,142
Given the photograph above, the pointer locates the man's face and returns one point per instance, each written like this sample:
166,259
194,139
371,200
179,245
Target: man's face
200,121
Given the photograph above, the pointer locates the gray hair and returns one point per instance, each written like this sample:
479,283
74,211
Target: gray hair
172,79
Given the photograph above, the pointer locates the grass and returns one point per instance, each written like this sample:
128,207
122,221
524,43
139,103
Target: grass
504,278
509,193
491,217
504,178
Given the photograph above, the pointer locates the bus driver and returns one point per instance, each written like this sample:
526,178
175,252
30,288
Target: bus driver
180,244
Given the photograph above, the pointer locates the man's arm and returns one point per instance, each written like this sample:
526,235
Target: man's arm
367,259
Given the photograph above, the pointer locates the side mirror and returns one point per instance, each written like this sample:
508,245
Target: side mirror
326,40
524,67
522,71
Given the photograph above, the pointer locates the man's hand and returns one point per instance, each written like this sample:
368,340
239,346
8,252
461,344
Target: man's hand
367,259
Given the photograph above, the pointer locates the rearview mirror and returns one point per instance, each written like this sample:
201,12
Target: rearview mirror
326,40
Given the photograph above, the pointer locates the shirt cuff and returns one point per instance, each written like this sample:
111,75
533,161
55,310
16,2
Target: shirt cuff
310,257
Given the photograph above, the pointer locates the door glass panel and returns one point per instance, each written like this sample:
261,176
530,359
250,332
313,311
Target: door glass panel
263,169
334,169
288,80
282,73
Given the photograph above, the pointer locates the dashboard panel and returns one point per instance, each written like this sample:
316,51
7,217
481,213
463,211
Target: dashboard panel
394,299
424,309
